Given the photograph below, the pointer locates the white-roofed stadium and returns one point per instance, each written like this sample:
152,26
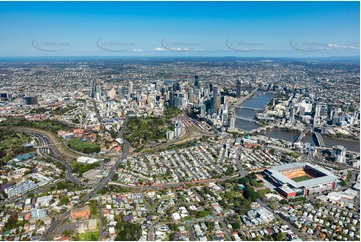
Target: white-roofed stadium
300,179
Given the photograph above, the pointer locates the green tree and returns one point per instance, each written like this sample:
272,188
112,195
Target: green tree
250,194
280,236
63,200
67,233
115,177
236,225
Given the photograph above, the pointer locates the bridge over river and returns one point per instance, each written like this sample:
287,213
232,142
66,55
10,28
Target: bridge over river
250,119
319,139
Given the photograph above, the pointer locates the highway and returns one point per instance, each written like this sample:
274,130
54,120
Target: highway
99,186
110,175
44,151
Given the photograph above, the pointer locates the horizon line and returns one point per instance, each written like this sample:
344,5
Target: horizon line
173,56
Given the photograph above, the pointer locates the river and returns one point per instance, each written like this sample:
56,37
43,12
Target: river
260,100
329,142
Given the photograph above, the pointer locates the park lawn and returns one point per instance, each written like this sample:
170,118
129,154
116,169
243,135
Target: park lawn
24,138
154,206
50,125
94,210
95,216
140,130
89,236
301,178
10,142
84,147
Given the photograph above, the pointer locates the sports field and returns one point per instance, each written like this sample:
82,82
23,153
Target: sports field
301,178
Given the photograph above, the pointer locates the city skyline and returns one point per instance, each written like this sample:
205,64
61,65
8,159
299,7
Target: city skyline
241,29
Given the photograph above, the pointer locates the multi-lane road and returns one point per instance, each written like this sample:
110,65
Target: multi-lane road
98,187
48,148
50,151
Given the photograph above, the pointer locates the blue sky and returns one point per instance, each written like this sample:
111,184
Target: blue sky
267,29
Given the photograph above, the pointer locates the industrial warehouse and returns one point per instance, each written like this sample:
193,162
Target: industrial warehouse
300,179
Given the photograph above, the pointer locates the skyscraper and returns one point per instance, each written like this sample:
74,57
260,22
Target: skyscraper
171,98
215,99
317,111
190,95
130,88
178,128
238,89
340,153
223,99
94,89
232,123
196,82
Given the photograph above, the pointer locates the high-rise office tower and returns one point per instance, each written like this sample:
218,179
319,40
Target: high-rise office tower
178,87
232,123
340,153
178,128
210,87
122,92
163,90
130,88
94,89
317,110
151,87
203,109
238,89
223,99
190,95
215,99
157,85
171,98
196,82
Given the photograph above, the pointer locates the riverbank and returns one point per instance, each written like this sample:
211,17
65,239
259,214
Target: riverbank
277,133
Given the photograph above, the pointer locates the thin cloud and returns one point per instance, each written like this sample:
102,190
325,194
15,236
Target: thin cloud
160,49
338,46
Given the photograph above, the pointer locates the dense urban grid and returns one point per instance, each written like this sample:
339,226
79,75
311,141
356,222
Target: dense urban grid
179,149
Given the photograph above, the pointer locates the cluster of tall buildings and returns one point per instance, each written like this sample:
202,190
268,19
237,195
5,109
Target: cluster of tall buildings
319,114
205,99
